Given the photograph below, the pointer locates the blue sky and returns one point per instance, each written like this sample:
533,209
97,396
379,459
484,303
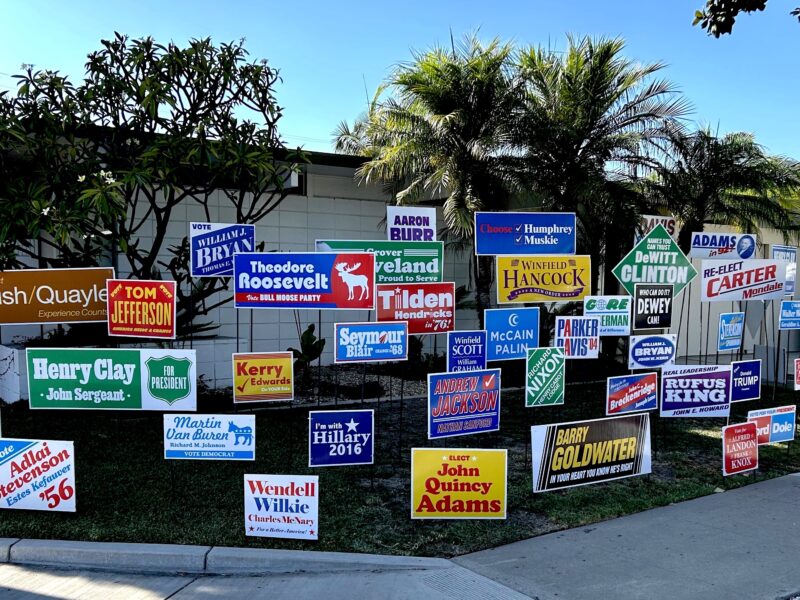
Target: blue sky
329,51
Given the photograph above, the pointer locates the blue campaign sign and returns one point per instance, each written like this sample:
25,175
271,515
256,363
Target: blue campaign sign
338,438
731,330
524,233
466,351
651,351
789,254
746,380
774,424
212,246
463,403
510,332
790,315
338,280
370,342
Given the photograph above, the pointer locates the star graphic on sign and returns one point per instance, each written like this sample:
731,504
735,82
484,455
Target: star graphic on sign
444,458
252,528
397,290
351,426
474,458
311,532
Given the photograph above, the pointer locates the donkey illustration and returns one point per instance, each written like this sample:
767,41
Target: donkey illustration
246,433
353,281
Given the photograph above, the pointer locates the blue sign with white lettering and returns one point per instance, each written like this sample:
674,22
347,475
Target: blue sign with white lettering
510,332
651,351
212,246
790,315
524,233
466,350
789,254
370,342
338,438
746,380
463,403
731,330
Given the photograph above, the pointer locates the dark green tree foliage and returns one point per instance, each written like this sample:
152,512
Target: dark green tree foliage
103,167
719,16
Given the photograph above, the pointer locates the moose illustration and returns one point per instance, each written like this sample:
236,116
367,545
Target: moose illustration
245,433
353,281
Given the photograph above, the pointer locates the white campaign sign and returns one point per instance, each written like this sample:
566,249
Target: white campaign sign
752,279
410,223
37,475
281,506
210,437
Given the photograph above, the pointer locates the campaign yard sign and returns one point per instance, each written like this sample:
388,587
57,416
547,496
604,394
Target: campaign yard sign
463,403
335,280
339,438
466,351
731,331
263,377
510,332
396,262
39,296
631,393
774,425
745,380
651,351
790,315
655,259
584,452
110,378
524,233
37,475
370,342
544,377
649,222
614,313
210,437
427,307
739,449
410,223
796,374
696,391
140,308
752,279
543,278
788,254
281,506
652,306
578,337
212,246
458,483
722,245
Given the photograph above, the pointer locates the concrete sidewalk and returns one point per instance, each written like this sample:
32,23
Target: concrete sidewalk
744,543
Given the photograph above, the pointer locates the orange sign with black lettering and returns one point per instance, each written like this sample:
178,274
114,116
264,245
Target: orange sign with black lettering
141,308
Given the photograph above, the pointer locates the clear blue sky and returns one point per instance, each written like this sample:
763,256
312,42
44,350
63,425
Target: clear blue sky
328,50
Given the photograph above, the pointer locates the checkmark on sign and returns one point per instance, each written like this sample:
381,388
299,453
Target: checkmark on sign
488,382
241,387
518,239
518,228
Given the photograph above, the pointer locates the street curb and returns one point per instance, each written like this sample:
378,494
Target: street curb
111,556
200,560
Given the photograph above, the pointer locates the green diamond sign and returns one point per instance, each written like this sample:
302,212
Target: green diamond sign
655,259
544,379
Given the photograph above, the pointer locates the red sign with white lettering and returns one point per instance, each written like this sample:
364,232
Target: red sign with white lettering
739,448
139,308
428,307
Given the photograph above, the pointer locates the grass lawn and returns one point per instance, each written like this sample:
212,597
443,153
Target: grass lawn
126,491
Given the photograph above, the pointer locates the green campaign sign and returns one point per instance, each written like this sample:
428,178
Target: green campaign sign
116,379
544,380
655,259
396,262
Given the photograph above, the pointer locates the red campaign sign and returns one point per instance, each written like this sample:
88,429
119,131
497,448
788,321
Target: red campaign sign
763,425
796,374
428,307
141,308
739,448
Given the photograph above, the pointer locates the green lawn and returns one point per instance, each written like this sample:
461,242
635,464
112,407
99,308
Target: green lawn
127,492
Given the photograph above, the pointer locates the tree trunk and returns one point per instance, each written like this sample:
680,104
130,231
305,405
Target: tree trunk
484,275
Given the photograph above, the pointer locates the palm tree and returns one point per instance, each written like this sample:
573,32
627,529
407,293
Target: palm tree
441,135
729,180
593,120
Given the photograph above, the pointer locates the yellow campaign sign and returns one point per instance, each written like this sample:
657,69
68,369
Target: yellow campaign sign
543,278
458,483
263,376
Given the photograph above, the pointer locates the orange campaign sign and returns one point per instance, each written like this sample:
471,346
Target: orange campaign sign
458,483
39,296
263,377
141,308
